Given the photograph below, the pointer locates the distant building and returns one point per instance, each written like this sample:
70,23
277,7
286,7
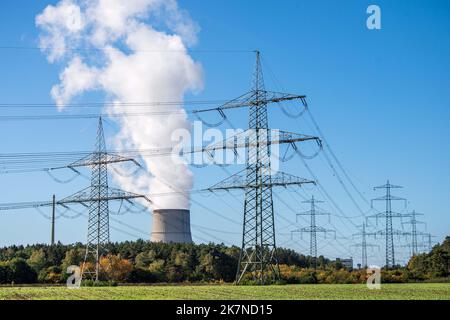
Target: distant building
346,263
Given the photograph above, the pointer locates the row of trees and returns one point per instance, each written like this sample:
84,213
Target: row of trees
435,264
133,262
146,262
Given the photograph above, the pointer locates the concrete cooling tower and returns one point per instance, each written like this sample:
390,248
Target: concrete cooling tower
171,225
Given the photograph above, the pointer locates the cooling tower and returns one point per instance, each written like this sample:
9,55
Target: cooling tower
171,225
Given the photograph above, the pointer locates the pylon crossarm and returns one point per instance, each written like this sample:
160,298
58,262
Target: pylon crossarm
92,160
292,137
317,213
247,100
388,185
275,97
242,140
408,245
394,232
239,181
239,102
390,197
309,229
389,214
84,196
414,222
284,179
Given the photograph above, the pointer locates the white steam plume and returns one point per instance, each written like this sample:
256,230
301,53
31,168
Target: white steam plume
134,51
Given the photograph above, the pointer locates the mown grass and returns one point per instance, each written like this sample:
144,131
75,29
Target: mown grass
416,291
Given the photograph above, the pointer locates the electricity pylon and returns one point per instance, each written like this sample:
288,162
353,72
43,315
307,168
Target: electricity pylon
98,196
388,214
313,229
414,222
429,237
364,244
419,245
258,250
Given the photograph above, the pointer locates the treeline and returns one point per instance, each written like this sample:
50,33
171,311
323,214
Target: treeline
133,262
435,264
432,266
146,262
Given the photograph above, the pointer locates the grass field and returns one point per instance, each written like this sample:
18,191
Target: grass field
224,292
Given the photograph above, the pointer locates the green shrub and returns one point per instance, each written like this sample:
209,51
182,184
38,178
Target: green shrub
21,272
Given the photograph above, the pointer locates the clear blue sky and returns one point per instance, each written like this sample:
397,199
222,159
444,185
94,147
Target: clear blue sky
380,97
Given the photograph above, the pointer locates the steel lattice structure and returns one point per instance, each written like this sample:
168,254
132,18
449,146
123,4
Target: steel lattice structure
98,223
428,237
388,214
414,233
313,229
98,198
258,250
364,245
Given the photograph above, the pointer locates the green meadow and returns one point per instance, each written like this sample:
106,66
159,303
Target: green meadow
415,291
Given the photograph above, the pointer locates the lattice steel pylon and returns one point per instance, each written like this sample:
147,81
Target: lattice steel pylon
258,250
98,223
429,237
364,244
414,222
259,224
388,214
313,229
98,198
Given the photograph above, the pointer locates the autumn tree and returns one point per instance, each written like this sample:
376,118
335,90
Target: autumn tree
37,260
115,268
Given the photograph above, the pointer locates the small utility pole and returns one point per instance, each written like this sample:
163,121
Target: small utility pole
53,220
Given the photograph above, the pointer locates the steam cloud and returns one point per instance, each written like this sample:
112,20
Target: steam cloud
133,51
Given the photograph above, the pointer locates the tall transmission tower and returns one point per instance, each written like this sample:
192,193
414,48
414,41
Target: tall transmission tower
364,244
99,196
388,214
96,197
414,222
258,250
313,229
428,237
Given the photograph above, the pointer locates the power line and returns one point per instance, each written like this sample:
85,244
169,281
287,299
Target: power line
244,101
336,174
313,229
414,222
364,245
258,250
97,49
106,104
388,214
327,145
